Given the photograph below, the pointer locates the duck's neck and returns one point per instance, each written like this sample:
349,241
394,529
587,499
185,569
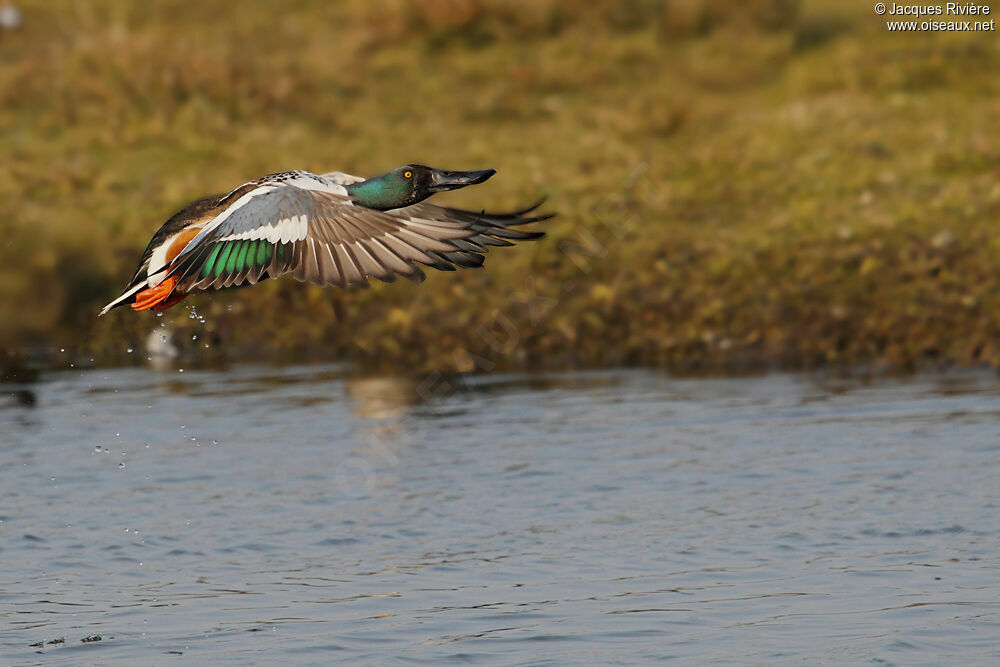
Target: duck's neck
380,193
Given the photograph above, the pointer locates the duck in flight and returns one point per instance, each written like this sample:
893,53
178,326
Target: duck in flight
329,229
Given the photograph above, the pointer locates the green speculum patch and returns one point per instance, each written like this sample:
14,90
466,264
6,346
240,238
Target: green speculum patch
231,262
263,252
242,257
220,265
207,269
227,257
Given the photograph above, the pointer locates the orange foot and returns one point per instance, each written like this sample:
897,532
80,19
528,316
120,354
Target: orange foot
159,297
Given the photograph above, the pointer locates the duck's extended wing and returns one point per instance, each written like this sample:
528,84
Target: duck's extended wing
487,229
319,235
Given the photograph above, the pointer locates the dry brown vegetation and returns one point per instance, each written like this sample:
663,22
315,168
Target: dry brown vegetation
738,183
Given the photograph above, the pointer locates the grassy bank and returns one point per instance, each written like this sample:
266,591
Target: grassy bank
738,184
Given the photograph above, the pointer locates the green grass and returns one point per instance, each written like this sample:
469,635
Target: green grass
739,184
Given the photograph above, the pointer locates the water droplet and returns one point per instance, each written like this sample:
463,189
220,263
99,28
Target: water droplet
180,370
194,337
97,448
128,350
62,349
215,442
121,465
118,434
163,339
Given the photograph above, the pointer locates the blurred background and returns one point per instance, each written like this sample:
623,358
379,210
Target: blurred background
740,184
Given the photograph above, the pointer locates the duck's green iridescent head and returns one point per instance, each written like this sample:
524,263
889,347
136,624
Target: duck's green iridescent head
410,184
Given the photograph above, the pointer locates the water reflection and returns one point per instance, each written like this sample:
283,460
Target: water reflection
305,514
382,397
160,349
18,396
24,398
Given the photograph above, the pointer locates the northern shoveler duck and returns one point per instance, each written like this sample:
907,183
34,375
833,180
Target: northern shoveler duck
328,229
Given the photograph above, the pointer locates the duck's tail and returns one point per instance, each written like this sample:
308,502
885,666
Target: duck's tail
127,297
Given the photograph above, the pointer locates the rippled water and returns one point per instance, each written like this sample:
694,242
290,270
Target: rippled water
301,516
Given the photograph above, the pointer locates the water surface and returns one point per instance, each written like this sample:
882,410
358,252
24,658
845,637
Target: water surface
303,516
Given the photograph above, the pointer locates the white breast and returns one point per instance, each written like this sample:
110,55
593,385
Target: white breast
157,263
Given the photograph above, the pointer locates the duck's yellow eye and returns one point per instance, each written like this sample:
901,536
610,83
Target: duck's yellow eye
407,174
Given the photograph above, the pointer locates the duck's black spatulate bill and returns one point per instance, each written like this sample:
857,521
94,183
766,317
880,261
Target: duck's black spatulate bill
452,180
